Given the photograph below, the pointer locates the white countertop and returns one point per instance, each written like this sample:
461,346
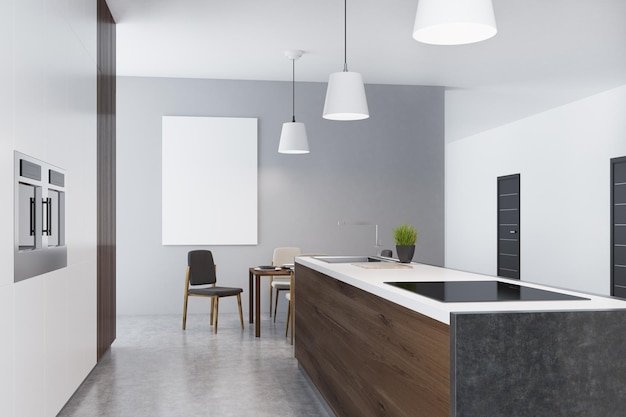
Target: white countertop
373,281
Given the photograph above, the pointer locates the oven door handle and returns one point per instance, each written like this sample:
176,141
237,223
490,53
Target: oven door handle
32,216
47,216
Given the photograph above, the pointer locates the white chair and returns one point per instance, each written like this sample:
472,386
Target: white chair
288,297
282,256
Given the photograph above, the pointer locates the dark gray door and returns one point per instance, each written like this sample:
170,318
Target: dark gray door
509,226
618,227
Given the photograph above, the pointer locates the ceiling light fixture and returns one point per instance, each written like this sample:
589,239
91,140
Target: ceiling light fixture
345,95
454,22
293,138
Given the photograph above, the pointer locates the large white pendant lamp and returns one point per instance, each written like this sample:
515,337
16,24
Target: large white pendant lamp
293,138
454,22
345,95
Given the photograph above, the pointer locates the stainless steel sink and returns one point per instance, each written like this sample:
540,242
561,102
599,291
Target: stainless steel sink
348,259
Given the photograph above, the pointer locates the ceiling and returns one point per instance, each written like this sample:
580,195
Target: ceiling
546,53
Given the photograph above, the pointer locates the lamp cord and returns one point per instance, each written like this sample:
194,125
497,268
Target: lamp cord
345,36
293,90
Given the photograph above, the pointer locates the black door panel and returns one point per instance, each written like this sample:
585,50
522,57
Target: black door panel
619,214
620,276
618,227
510,217
619,235
509,226
508,246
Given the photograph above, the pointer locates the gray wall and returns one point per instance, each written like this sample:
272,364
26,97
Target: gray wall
387,170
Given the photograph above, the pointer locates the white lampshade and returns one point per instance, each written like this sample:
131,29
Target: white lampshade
293,138
454,22
345,97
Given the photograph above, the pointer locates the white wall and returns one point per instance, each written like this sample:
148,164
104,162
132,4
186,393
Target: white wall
48,111
563,157
6,220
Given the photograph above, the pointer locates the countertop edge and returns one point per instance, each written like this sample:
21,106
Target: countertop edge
373,281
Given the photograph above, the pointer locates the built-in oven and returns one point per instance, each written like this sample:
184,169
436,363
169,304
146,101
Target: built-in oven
39,217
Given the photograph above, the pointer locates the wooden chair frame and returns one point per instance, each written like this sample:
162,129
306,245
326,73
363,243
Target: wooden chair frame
215,303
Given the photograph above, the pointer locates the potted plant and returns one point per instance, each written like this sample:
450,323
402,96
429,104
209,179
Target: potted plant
405,237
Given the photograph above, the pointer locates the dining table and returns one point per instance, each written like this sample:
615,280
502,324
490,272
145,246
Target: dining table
254,294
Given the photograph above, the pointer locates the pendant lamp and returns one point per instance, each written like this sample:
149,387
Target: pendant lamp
293,138
454,22
345,95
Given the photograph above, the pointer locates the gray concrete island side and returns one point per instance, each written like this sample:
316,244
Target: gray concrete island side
372,349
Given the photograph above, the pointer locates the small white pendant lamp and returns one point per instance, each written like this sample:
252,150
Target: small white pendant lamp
293,138
345,95
454,22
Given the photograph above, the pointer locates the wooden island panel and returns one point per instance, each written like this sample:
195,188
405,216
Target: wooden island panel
366,355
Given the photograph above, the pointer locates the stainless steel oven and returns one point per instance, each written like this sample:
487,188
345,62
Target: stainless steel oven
39,217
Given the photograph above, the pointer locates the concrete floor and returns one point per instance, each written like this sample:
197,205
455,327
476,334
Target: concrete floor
156,369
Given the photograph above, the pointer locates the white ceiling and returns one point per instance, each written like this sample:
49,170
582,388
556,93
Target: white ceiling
546,52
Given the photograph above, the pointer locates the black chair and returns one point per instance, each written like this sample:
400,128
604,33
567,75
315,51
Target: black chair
200,281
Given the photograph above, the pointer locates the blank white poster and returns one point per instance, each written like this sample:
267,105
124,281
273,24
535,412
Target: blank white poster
209,181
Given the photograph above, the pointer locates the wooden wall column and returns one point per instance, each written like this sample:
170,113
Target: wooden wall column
106,179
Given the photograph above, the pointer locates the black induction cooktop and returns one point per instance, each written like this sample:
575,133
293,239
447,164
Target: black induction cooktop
480,291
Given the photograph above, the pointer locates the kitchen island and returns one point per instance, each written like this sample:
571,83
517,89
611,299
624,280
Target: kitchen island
373,349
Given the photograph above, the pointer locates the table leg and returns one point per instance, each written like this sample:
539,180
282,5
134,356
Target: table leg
250,296
257,307
292,304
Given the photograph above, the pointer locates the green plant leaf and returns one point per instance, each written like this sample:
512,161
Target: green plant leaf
405,235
